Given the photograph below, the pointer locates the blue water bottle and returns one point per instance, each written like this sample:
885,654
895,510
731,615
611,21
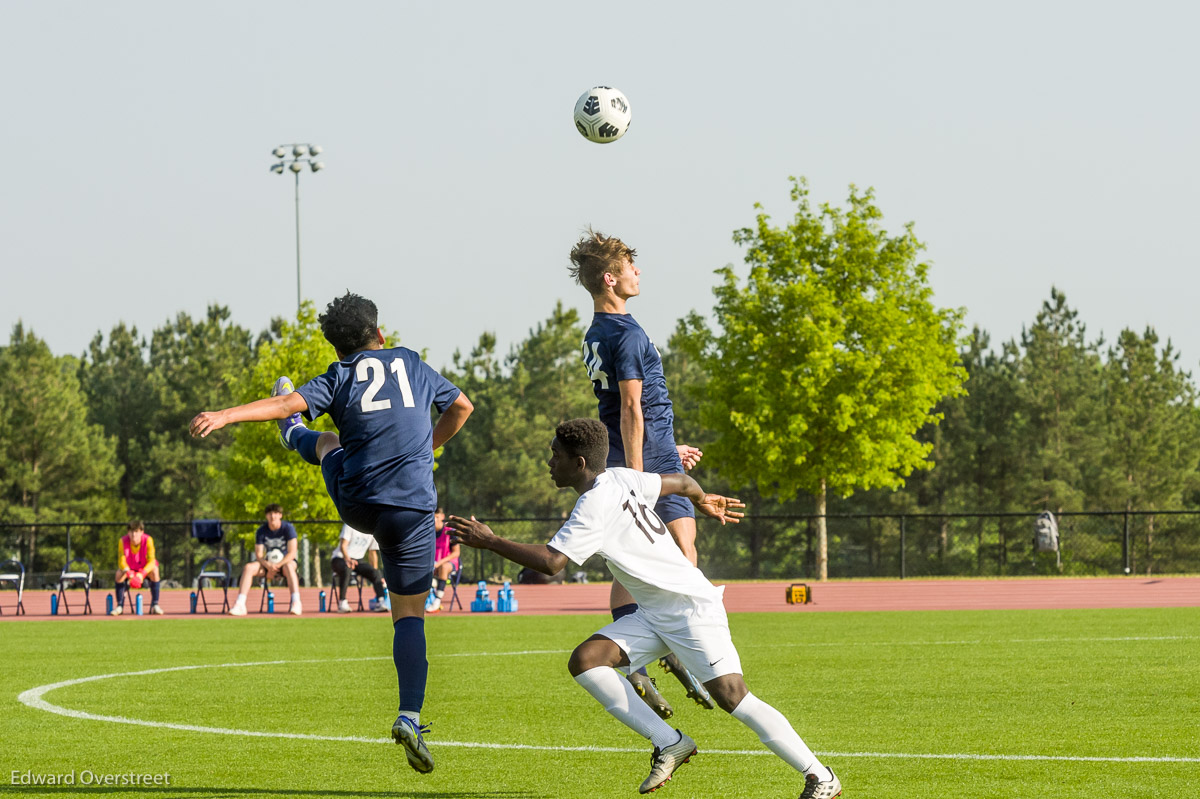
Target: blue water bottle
138,604
270,602
192,602
54,604
108,600
321,605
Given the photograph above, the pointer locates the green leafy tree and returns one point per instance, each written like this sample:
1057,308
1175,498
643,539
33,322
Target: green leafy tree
1154,436
57,466
1061,390
829,358
194,365
497,464
254,470
121,398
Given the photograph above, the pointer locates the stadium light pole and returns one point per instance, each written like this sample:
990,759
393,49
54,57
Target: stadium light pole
302,155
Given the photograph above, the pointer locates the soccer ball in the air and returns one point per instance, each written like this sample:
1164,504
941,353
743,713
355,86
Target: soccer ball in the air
602,114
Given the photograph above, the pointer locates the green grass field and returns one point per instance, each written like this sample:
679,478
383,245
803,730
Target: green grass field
902,705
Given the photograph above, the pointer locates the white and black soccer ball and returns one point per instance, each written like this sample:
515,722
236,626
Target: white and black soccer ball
274,555
602,114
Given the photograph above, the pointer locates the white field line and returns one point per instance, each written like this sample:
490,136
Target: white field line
34,698
972,642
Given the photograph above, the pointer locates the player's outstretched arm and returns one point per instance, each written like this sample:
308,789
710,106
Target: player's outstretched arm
452,420
712,505
538,557
263,410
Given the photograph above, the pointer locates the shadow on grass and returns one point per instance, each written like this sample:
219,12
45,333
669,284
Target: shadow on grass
236,793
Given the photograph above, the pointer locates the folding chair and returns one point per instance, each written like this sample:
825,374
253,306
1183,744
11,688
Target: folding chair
17,578
208,571
455,576
266,587
130,595
68,577
335,597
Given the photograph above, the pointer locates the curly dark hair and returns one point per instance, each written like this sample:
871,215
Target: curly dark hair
349,323
586,438
595,254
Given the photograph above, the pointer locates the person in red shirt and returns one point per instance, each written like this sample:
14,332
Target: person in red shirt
136,565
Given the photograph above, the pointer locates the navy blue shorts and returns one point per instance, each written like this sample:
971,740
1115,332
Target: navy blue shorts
406,536
673,506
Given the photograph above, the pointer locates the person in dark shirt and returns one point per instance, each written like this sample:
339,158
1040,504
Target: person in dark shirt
274,554
631,396
378,469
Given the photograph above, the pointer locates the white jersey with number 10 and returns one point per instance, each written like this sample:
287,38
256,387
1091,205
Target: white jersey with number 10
615,518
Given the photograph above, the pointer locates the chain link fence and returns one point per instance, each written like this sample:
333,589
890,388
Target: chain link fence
766,547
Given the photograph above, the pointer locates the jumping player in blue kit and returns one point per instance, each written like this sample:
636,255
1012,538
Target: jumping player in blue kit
378,470
631,391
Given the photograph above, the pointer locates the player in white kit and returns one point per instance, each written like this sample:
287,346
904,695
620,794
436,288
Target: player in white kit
679,610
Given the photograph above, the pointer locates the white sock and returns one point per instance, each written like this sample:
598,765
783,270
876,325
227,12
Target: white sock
295,597
777,735
241,600
618,697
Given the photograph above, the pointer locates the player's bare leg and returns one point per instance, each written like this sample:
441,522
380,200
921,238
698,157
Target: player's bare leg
776,733
592,665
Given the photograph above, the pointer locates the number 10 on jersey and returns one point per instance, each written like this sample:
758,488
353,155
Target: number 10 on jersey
649,517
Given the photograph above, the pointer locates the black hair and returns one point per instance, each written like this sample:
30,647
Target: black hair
349,323
274,507
586,438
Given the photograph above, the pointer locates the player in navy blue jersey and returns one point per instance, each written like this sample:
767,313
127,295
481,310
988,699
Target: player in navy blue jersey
378,469
631,391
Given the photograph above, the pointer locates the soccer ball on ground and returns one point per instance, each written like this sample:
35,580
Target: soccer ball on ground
602,114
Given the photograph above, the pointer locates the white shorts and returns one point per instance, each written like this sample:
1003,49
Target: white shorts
704,645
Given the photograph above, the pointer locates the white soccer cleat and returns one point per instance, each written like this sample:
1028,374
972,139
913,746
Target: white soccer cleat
664,762
117,611
411,736
156,609
284,386
816,788
343,606
237,610
296,609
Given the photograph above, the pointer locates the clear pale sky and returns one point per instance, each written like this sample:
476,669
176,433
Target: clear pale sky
1032,143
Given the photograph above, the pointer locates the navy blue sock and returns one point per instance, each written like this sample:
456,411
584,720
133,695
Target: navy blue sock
412,669
154,591
121,589
621,612
305,442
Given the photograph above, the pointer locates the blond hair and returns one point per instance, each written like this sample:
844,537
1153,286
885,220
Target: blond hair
595,255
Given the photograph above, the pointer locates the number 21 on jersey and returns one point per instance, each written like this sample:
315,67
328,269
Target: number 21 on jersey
372,369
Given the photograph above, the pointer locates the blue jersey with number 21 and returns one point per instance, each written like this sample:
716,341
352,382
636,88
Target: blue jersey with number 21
616,348
380,401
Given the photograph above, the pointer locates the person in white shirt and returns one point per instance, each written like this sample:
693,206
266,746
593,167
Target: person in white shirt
679,610
348,556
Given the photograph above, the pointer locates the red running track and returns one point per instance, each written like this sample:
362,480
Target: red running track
835,595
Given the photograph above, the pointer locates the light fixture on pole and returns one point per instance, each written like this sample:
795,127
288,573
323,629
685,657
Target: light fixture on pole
302,155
